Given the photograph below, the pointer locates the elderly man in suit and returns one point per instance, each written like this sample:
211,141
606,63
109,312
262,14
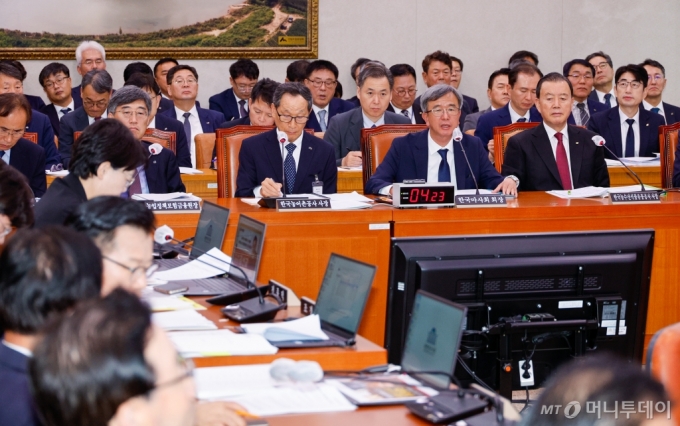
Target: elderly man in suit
55,80
306,158
657,83
498,94
344,130
233,102
555,155
436,155
90,55
580,74
321,79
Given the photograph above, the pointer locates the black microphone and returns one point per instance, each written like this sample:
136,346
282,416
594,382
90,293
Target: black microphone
458,137
599,141
283,138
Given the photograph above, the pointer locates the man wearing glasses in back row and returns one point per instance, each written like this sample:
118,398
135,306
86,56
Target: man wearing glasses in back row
321,79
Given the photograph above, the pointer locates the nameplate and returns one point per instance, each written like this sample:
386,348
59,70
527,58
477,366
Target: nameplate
635,197
174,206
307,306
486,200
305,205
285,294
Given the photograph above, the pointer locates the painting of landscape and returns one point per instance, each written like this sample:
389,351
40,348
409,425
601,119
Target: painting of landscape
156,28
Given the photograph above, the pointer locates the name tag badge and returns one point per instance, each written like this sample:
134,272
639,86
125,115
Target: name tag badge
317,186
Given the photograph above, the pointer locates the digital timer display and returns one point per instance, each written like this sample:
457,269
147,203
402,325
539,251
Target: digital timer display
426,195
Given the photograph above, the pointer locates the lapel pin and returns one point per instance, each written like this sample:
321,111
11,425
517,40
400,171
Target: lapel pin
576,143
310,148
207,122
647,124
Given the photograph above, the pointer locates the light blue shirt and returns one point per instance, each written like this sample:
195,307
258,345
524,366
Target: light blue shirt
368,123
141,175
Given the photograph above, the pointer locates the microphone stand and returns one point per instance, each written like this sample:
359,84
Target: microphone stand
283,168
624,164
474,179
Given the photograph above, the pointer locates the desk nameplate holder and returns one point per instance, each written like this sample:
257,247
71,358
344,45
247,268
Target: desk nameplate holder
637,197
284,205
482,200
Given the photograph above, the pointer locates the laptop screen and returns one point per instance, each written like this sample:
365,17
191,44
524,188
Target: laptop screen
344,291
247,247
211,229
433,338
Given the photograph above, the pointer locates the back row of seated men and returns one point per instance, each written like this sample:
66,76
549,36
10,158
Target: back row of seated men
611,110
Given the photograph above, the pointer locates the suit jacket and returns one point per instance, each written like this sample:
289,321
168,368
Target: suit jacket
225,103
260,158
593,97
16,401
408,156
471,120
36,102
529,156
165,105
41,125
419,118
75,94
354,101
61,199
500,117
74,121
165,123
672,113
210,120
608,125
51,113
344,130
245,121
162,172
29,159
336,107
469,107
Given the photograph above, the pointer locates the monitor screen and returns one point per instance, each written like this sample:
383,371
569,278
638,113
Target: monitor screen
247,250
211,229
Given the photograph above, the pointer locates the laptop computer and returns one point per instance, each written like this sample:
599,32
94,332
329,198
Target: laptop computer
340,303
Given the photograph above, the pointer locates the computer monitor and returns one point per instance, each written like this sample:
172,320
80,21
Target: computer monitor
211,229
247,250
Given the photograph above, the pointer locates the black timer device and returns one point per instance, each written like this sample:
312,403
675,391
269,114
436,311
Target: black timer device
426,194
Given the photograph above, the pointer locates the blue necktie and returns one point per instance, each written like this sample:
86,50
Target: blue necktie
522,120
630,139
289,167
608,100
2,154
242,108
65,110
322,120
444,169
655,110
187,126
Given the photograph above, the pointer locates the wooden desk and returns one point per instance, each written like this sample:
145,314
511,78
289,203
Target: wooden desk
350,180
396,415
650,175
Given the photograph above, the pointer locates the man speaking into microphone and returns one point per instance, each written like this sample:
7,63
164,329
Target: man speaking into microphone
439,153
286,154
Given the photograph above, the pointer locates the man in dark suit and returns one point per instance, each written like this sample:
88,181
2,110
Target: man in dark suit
469,103
629,130
233,102
555,155
36,102
580,74
183,88
436,70
308,158
404,93
22,154
141,67
434,155
55,80
355,69
260,112
321,79
296,71
344,130
96,92
604,77
130,105
499,95
90,55
160,73
655,88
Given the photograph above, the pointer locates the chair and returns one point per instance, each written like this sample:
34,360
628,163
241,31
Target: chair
31,136
376,142
668,141
228,143
167,140
205,145
501,135
663,354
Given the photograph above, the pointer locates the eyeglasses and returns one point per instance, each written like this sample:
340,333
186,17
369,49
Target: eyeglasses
402,92
245,87
287,118
185,364
90,62
656,77
181,81
12,134
128,113
578,77
319,83
99,104
438,111
136,272
623,84
602,65
57,81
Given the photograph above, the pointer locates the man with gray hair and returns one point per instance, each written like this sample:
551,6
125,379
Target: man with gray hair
160,175
90,55
433,155
96,92
308,162
374,91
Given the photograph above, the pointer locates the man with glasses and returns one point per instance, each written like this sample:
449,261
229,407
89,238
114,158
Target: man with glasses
160,173
55,80
96,91
404,92
580,74
469,103
434,156
90,55
183,88
233,102
604,77
306,158
321,79
655,88
629,130
436,70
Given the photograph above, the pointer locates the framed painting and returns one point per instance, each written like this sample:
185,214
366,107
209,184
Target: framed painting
152,29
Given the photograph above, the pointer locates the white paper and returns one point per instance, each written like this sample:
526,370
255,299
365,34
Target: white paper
192,344
631,188
316,398
172,196
222,382
586,192
190,171
634,161
349,196
349,205
205,266
59,173
348,169
251,201
159,302
186,319
309,326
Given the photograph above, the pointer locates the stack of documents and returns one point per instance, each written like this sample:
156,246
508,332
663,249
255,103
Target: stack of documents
210,264
305,328
189,171
185,319
632,188
193,344
585,192
159,302
634,161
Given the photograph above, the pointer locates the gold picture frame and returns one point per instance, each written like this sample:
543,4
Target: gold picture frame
279,45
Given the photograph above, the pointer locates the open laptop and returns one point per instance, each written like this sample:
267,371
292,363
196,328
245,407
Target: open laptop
341,302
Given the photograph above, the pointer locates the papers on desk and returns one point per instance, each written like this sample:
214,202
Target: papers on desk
585,192
190,171
634,161
159,302
305,328
59,173
223,382
631,188
172,196
185,319
193,344
350,169
205,266
350,201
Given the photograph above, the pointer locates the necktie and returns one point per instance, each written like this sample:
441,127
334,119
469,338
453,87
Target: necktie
373,126
242,108
405,112
97,118
187,125
66,111
444,169
608,100
2,154
521,120
584,113
136,187
562,163
630,139
289,167
322,120
655,110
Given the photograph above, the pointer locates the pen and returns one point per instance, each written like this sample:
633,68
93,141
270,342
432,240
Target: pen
246,414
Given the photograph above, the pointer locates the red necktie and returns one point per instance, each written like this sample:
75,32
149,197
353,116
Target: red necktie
562,163
97,118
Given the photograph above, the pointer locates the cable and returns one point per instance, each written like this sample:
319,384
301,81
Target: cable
472,374
526,404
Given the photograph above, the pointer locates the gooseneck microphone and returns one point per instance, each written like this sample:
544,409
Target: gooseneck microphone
283,138
458,137
599,141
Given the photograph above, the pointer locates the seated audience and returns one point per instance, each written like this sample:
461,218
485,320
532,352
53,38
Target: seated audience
160,73
260,111
36,102
296,72
233,102
657,83
498,93
469,103
404,92
136,67
604,77
43,274
105,161
307,159
55,80
433,155
22,154
321,79
16,201
344,130
355,69
629,130
90,55
555,155
580,74
95,94
522,56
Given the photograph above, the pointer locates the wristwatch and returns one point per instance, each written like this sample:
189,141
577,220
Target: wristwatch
515,179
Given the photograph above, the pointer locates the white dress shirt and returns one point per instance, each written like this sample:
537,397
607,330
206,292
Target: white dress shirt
576,112
196,129
368,123
612,100
410,112
246,105
316,110
57,108
90,120
565,142
18,348
649,107
514,116
296,156
624,132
